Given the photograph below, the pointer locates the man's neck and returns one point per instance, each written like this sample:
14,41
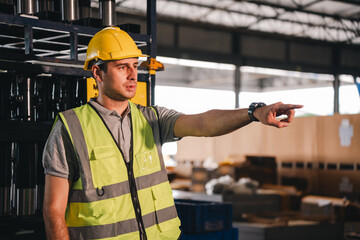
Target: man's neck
113,105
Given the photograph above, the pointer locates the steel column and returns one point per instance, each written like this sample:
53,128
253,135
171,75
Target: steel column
152,46
74,46
237,85
336,93
357,84
29,44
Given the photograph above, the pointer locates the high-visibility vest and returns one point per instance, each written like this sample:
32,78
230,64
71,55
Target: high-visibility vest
113,199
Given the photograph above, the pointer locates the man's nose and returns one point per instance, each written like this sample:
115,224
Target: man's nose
132,72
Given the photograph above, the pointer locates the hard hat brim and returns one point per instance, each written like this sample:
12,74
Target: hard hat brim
88,68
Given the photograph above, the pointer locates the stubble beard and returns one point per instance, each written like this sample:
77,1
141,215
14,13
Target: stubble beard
117,96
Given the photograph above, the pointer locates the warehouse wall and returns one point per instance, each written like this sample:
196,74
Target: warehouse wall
310,148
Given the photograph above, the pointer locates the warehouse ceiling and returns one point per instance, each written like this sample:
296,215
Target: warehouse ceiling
227,23
333,21
253,79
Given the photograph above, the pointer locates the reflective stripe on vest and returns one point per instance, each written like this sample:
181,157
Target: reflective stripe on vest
100,204
126,227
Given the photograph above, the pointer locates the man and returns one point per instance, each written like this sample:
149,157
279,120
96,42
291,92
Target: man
105,176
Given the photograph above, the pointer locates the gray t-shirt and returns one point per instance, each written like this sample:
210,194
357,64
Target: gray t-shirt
59,157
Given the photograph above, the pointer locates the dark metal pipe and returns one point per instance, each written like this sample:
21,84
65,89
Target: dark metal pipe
5,179
40,177
28,100
5,81
59,96
14,164
57,5
107,12
70,10
26,86
15,98
7,1
46,5
26,201
25,179
42,98
78,92
8,7
21,98
84,9
27,6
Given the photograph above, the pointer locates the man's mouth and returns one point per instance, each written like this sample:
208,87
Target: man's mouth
130,87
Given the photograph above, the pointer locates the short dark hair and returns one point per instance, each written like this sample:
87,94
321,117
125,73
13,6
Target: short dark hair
100,63
103,66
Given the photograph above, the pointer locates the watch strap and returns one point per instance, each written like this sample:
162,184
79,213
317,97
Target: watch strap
252,108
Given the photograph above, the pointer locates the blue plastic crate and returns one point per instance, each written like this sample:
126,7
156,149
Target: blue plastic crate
203,216
232,234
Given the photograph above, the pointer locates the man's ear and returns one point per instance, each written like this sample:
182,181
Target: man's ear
96,72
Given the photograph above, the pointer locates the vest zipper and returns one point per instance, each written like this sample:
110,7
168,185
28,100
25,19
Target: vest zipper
132,183
135,200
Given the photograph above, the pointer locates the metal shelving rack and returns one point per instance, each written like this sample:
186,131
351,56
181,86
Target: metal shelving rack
42,50
36,46
45,43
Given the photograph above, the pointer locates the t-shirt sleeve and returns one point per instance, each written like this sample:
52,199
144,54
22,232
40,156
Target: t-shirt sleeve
59,158
167,119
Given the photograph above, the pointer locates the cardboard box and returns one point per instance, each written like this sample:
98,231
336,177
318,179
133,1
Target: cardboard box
297,230
252,203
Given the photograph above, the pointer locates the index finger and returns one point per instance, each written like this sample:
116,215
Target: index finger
290,106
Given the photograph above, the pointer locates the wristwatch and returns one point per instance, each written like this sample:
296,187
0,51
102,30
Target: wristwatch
252,108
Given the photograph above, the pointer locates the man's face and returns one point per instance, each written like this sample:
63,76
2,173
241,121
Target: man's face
119,81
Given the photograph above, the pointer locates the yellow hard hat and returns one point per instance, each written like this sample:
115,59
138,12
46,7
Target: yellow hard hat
111,43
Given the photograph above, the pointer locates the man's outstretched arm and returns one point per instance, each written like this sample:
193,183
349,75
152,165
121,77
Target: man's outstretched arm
55,201
220,122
